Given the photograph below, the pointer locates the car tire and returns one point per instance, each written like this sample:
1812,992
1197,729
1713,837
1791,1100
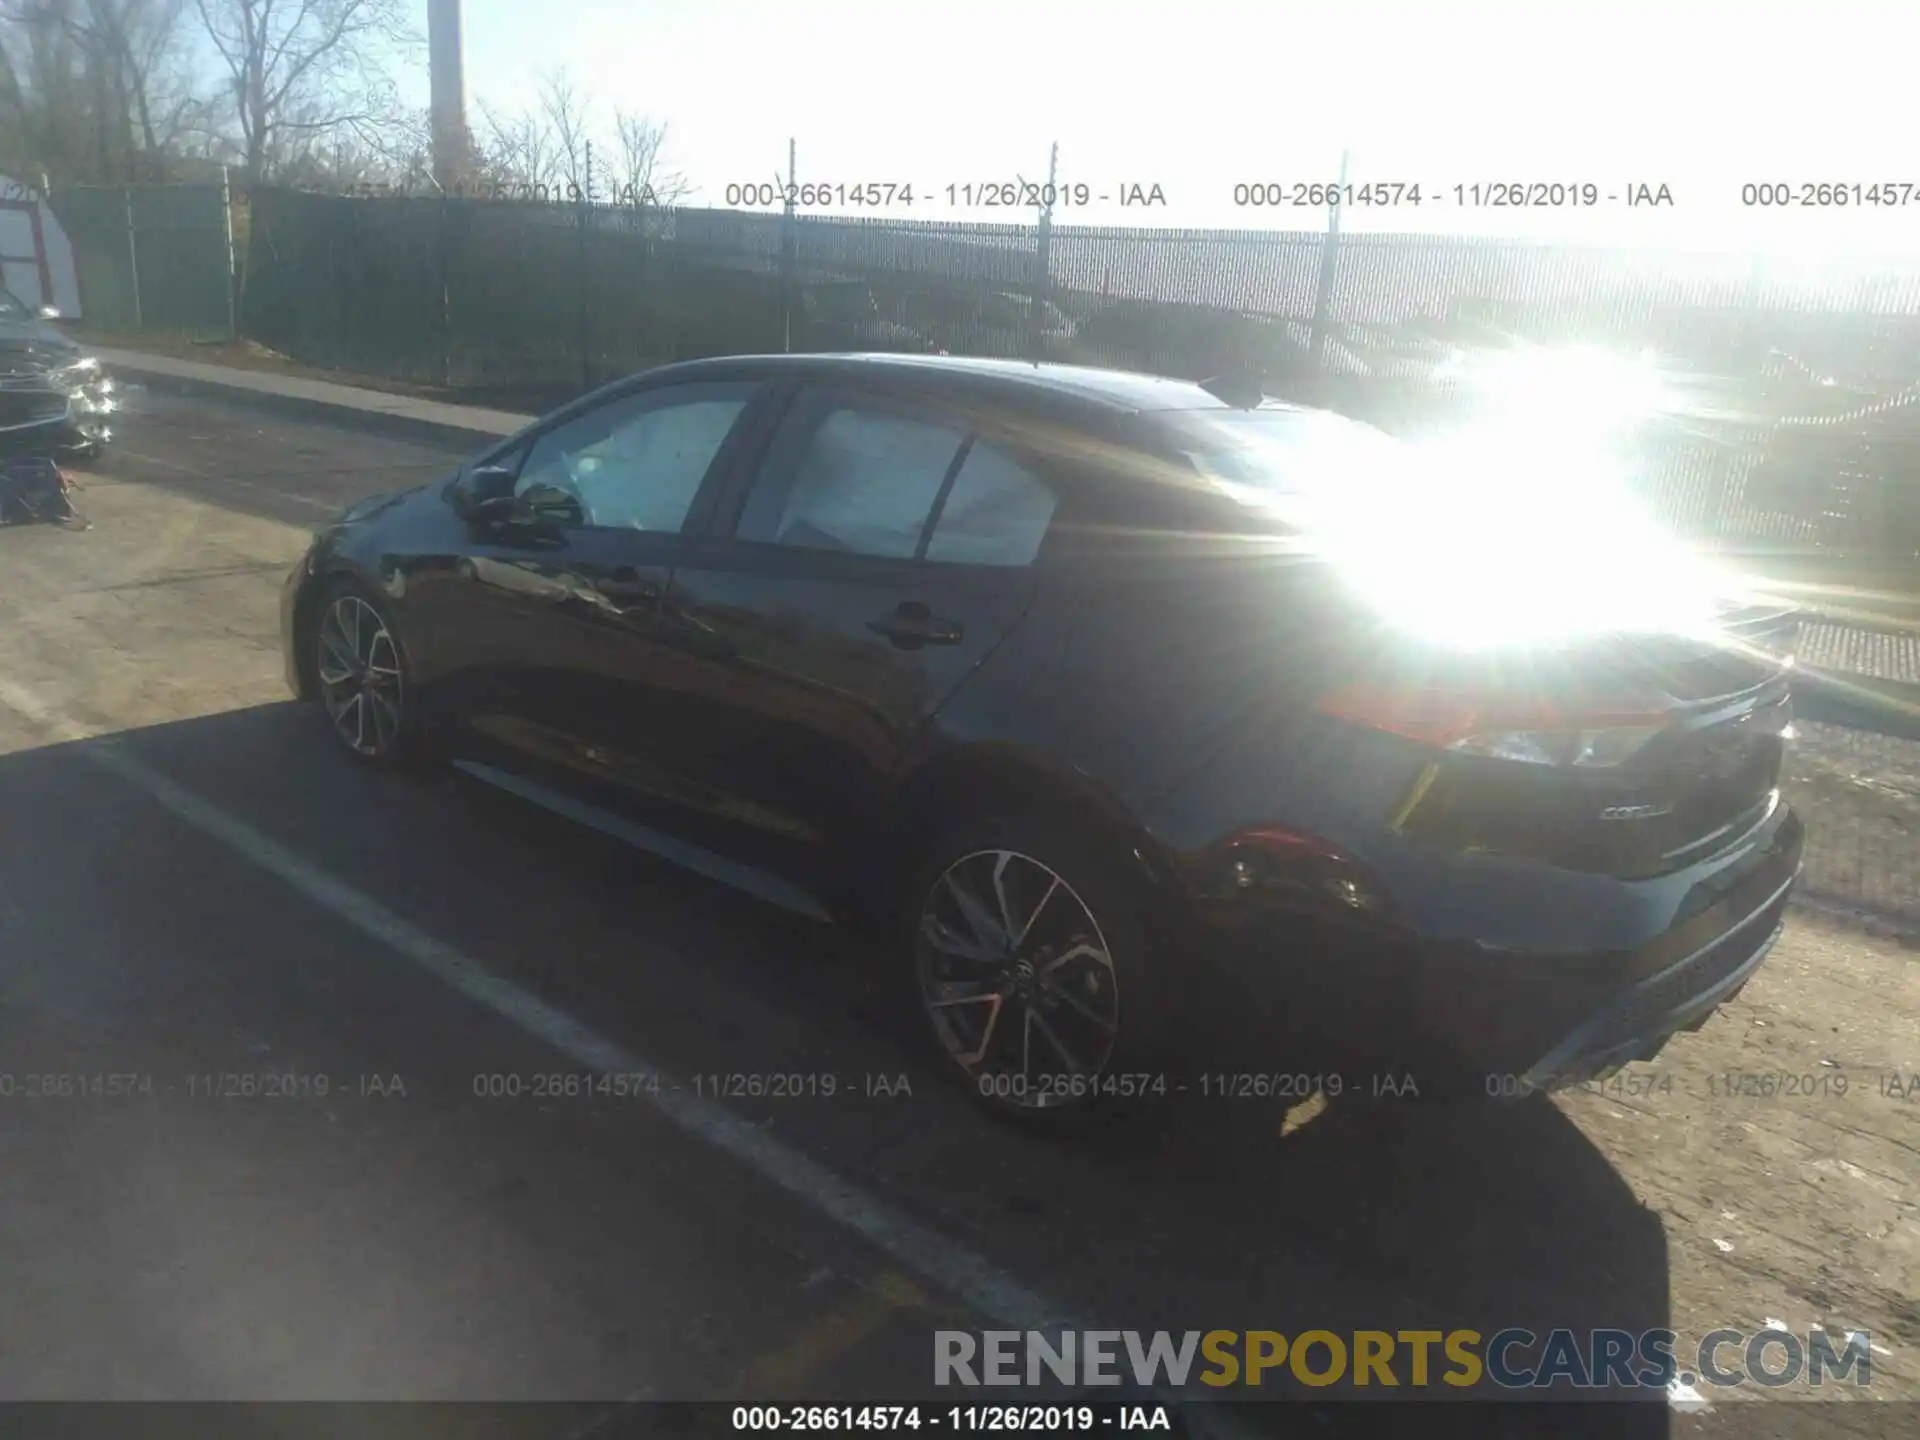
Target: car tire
363,680
1032,920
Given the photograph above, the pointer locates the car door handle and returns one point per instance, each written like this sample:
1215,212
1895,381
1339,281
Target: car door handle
913,625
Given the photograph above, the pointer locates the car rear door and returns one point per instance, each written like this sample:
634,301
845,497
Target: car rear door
875,555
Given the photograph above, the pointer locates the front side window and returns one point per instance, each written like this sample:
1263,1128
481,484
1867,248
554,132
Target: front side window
856,480
636,462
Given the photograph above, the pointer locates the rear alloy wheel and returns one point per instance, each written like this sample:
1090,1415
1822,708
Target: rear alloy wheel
1025,989
362,678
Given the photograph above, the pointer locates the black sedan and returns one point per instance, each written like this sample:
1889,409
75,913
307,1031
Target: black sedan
55,400
1144,724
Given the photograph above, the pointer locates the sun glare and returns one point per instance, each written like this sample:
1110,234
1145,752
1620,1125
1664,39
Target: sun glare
1521,526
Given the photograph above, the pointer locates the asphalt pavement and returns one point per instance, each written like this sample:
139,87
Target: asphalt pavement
338,1122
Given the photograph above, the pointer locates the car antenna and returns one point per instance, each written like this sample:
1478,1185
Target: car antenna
1241,389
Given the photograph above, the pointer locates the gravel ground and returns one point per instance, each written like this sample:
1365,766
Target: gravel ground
1860,795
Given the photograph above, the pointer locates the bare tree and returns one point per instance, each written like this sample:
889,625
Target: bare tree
351,155
143,46
569,122
94,89
545,149
639,162
516,151
301,68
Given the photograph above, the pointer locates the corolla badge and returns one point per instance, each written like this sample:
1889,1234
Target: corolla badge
1635,812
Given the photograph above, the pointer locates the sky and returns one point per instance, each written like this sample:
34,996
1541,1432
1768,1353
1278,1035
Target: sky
1200,96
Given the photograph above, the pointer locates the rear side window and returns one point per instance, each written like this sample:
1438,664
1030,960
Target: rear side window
851,479
996,513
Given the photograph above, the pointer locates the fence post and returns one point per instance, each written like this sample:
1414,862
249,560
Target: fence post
442,244
133,259
1323,292
233,260
643,274
788,247
583,214
1043,264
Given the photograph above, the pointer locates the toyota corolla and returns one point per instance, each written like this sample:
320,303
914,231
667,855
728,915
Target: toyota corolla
1137,720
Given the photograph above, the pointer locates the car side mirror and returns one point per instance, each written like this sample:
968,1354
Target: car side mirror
484,494
549,506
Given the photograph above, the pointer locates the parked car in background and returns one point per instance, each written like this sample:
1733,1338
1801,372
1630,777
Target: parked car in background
1137,720
843,315
1010,326
1192,342
55,399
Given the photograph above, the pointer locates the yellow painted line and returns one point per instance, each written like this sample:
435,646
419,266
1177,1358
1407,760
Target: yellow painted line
1414,796
1305,1113
830,1334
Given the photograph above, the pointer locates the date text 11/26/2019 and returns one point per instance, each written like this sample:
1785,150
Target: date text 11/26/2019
1030,1419
953,195
1473,195
706,1085
209,1085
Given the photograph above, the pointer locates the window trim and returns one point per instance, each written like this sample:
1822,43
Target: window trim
939,506
1035,466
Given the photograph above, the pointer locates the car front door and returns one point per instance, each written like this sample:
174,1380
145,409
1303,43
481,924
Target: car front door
557,606
878,552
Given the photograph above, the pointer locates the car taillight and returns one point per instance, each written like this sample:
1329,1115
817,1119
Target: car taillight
1465,725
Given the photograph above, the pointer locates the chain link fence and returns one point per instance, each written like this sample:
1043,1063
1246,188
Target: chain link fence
1794,427
154,259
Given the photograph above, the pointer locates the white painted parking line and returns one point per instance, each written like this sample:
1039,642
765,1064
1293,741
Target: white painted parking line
929,1256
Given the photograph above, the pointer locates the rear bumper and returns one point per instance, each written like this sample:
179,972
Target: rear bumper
1640,1021
1284,986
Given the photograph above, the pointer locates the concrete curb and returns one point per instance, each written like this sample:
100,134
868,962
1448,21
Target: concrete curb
457,427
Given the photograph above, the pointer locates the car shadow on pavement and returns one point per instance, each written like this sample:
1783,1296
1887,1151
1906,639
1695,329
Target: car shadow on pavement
1188,1215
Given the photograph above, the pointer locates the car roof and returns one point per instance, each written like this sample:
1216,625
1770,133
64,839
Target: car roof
1061,390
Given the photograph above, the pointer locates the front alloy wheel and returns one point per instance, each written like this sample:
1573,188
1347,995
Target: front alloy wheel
1018,980
360,677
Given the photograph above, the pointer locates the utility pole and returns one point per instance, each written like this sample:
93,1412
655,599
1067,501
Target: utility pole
447,84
